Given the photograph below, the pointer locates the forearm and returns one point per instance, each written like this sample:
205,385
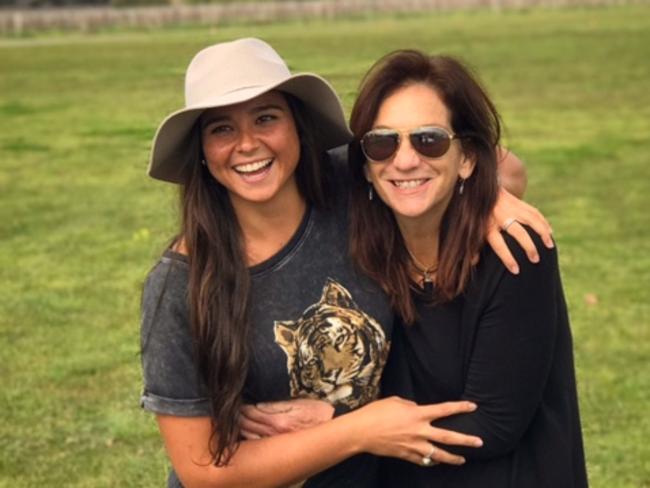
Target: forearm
392,427
389,427
499,437
274,461
512,172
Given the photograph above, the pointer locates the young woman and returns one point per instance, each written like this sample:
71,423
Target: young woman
423,166
257,299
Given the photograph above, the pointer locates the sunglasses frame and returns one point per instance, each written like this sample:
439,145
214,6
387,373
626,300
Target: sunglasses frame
400,132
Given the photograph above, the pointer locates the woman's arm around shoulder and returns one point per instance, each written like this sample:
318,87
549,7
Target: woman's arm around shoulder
512,172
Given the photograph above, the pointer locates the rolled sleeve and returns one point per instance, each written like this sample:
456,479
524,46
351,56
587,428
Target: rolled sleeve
172,384
191,407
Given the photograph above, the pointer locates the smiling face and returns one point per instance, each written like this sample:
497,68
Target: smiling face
252,148
415,187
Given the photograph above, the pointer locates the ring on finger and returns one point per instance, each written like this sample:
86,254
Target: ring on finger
431,453
508,222
426,460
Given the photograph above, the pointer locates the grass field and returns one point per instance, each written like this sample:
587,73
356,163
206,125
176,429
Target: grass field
80,223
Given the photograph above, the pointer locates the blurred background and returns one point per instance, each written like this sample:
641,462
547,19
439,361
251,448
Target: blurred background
81,224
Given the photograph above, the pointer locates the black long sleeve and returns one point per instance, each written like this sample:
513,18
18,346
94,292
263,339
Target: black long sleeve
506,345
511,357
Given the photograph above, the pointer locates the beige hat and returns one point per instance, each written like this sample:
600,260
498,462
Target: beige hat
234,72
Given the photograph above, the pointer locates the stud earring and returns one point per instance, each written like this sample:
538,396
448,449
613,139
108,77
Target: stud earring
370,193
203,162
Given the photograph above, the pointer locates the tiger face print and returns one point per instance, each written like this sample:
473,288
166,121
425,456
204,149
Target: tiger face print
335,352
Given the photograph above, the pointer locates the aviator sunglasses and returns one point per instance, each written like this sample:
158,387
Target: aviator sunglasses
428,141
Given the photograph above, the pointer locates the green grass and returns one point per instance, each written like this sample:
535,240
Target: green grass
80,223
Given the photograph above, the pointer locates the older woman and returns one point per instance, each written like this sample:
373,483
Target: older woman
426,139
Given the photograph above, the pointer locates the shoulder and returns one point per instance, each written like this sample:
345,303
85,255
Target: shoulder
491,272
165,324
337,166
547,256
338,156
165,289
170,272
548,260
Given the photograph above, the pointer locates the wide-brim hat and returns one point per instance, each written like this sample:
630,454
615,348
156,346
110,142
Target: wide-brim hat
235,72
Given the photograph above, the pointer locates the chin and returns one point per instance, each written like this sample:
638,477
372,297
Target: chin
409,213
260,196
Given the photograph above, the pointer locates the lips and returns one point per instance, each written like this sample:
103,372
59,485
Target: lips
409,184
254,167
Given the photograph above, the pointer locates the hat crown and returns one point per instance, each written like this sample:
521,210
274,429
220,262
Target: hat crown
225,68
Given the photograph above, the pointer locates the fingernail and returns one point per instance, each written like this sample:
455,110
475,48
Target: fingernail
462,461
549,243
478,443
473,406
514,269
534,258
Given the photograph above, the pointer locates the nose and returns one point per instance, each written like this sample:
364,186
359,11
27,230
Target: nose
406,158
247,141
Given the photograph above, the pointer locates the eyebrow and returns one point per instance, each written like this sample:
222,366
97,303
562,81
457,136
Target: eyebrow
254,110
268,106
399,129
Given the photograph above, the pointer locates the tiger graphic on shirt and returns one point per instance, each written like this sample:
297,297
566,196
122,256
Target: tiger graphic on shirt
335,352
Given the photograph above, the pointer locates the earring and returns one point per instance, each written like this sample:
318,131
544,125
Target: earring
203,162
461,188
370,195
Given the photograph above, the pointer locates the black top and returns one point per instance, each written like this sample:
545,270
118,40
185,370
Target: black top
506,345
319,329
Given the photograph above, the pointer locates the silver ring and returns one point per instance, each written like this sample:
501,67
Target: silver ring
508,222
426,460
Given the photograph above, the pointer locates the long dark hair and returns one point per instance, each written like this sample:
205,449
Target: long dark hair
376,242
219,280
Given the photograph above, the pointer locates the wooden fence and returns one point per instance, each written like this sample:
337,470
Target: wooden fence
88,19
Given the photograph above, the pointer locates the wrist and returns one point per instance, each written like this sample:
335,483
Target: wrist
352,423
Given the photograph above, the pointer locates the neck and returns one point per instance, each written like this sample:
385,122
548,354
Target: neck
421,240
268,226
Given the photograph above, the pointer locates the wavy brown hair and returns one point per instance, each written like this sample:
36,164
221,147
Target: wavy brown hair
376,242
219,279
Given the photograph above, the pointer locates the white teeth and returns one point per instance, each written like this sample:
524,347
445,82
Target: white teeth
408,183
252,167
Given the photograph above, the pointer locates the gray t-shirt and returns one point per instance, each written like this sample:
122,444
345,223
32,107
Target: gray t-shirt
320,329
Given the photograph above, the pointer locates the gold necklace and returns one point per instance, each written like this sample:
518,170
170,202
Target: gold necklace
425,271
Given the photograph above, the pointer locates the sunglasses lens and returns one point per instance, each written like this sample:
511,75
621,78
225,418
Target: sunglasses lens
380,145
431,142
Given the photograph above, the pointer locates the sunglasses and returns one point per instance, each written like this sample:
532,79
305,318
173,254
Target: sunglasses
428,141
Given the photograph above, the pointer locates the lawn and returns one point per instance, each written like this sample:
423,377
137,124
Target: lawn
81,224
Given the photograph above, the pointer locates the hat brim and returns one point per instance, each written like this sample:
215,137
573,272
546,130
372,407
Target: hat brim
169,155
